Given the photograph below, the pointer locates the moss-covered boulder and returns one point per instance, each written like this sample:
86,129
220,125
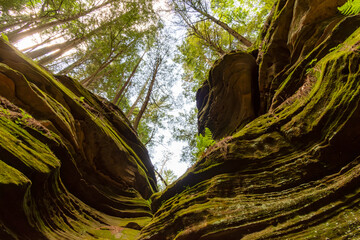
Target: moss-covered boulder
71,166
293,172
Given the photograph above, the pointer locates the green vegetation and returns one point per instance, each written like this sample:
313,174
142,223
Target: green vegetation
23,119
351,7
108,45
4,37
203,142
215,28
131,53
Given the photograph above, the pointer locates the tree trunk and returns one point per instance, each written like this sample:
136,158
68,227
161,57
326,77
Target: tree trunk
63,47
61,50
49,39
16,36
76,63
160,177
46,50
142,91
89,80
226,27
197,33
99,76
208,40
147,98
11,25
120,93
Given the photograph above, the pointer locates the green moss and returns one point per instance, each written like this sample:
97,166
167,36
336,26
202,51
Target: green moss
30,151
62,113
9,175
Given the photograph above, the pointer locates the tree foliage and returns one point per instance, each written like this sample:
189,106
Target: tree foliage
165,175
203,142
215,27
119,50
108,45
206,40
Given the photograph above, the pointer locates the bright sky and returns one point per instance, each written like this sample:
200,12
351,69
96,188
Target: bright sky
172,147
25,43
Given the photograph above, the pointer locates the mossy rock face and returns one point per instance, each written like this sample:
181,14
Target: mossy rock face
296,30
293,172
71,166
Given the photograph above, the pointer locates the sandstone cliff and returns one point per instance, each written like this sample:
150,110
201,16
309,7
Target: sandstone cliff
71,165
292,172
286,164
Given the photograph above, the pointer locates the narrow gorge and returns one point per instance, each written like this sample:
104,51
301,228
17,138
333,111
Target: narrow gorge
286,163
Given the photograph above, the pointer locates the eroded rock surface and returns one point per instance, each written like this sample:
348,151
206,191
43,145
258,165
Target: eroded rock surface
229,99
293,172
71,167
300,32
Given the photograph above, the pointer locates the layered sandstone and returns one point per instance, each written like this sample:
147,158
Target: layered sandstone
292,172
71,165
286,164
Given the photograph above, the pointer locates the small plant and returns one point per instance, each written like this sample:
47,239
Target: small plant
203,142
351,7
5,37
311,64
24,117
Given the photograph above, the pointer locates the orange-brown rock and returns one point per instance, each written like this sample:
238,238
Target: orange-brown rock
71,166
293,172
229,99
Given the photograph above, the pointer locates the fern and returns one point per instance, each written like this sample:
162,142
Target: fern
203,142
351,7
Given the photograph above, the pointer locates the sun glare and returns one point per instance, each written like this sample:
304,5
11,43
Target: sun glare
26,43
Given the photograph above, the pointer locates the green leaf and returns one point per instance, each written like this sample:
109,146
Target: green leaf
5,37
203,142
351,7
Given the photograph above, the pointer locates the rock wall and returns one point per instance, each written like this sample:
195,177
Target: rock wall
230,98
293,172
71,167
